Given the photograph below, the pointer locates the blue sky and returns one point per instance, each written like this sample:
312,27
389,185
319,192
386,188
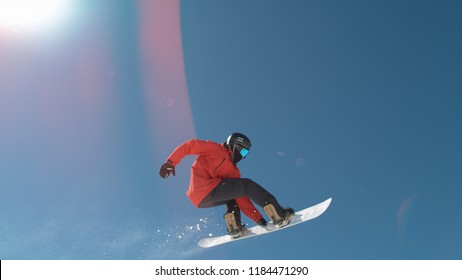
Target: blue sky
355,100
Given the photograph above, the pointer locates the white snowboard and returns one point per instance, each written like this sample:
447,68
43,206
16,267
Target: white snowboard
299,217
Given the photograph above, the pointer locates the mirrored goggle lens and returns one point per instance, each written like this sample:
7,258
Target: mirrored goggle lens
244,152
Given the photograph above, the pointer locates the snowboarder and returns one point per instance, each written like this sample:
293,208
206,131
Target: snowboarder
216,180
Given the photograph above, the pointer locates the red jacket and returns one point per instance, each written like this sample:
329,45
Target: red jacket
211,166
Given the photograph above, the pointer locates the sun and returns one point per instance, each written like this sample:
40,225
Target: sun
29,15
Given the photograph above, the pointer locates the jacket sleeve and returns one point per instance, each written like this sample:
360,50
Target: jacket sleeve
248,208
190,147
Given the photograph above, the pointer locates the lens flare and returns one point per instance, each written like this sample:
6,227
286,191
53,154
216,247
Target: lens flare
27,15
403,214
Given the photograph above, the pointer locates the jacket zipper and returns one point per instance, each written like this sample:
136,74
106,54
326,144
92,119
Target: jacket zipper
219,165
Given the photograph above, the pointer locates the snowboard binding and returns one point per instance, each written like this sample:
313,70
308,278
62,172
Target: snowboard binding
278,220
235,228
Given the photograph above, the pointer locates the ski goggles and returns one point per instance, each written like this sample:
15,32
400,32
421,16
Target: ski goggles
243,151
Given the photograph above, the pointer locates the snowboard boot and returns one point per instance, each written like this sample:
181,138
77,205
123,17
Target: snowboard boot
279,220
235,228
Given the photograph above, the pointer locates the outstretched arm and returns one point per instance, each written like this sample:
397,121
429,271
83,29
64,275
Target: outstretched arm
190,147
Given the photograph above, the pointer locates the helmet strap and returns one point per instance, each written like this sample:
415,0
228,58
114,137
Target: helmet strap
235,155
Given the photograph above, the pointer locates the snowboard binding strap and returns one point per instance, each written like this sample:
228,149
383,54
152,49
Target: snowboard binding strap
278,221
234,230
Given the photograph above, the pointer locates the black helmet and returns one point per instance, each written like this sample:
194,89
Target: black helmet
239,144
238,139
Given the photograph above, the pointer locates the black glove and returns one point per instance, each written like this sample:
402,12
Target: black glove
262,222
166,169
